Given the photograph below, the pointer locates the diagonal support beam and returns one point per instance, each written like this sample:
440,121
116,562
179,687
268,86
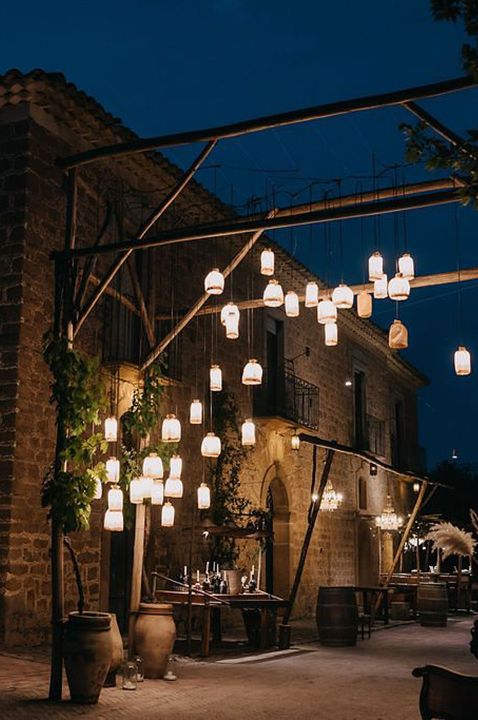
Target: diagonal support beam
154,217
143,311
193,311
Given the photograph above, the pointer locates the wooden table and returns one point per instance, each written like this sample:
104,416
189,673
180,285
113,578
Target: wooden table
370,595
407,583
258,609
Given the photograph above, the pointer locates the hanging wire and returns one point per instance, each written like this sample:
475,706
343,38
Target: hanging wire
458,267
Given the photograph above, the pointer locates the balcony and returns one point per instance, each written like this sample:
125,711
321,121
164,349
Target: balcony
285,395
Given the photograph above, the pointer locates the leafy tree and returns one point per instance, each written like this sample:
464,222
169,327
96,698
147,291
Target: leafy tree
454,504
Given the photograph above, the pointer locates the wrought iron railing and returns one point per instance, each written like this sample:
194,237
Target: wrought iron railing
284,394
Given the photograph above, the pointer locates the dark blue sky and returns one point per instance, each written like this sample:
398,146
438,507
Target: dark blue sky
167,66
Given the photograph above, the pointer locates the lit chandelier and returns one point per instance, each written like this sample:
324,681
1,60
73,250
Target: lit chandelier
331,499
389,520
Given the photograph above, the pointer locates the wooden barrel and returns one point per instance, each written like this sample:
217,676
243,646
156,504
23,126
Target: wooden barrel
337,616
154,636
432,604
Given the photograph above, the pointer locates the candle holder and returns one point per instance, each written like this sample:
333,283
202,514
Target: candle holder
139,668
130,675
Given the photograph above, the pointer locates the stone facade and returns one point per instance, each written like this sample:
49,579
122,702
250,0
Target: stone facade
41,118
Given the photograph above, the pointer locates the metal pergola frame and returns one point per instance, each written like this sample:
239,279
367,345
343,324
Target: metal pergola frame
71,308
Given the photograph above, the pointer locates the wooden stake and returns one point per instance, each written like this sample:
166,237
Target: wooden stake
136,573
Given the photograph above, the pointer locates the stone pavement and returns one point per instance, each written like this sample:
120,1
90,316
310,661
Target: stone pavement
369,682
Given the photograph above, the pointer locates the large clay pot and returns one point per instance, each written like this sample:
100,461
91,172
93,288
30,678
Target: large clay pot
116,654
154,636
87,652
432,604
233,578
337,616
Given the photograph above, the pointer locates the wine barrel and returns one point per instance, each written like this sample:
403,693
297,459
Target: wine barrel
432,604
337,616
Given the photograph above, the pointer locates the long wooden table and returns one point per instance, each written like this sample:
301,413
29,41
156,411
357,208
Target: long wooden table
259,610
407,583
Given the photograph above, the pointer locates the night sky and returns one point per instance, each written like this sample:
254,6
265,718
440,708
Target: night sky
168,66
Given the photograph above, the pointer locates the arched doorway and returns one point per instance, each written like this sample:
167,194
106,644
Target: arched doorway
278,550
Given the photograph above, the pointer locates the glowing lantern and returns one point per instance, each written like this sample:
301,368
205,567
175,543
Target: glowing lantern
111,429
204,497
146,485
416,487
157,493
267,262
406,266
273,294
153,466
398,336
135,492
195,412
343,297
214,282
380,288
252,373
462,361
211,446
326,312
112,469
167,515
175,467
229,310
295,442
98,489
331,334
171,429
215,378
375,266
248,433
311,294
364,304
398,288
115,498
232,328
292,304
173,488
113,521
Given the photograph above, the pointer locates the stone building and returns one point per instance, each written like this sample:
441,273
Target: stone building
358,393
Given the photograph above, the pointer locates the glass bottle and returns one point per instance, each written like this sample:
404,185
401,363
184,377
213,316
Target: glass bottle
139,668
130,675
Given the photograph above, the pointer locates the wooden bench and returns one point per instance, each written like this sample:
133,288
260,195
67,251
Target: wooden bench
446,694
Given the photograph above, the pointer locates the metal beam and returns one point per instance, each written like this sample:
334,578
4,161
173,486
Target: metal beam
154,217
147,324
205,232
370,102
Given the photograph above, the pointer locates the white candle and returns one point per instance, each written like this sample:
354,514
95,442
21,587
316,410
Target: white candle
185,570
197,576
207,567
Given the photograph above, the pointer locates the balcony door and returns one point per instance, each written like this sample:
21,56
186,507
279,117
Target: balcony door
274,363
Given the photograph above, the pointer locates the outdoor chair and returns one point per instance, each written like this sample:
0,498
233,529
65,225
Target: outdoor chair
446,694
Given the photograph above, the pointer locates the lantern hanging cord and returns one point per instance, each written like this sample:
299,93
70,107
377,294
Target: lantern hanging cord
458,267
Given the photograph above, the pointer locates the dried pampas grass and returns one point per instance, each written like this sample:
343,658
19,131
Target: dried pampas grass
451,540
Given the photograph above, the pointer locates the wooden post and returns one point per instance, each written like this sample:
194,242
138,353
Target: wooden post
136,573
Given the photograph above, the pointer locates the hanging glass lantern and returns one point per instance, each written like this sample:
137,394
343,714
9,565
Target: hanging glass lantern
343,297
146,485
398,336
232,327
389,520
111,429
112,469
167,515
267,262
98,489
331,500
204,497
375,266
214,282
398,288
291,304
364,304
171,429
273,294
248,433
157,493
229,310
252,373
215,378
462,361
195,412
331,334
406,266
326,312
211,446
295,442
311,294
135,492
173,488
153,466
380,288
113,521
115,498
175,467
416,486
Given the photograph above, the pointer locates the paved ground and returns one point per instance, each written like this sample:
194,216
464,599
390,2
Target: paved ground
371,681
